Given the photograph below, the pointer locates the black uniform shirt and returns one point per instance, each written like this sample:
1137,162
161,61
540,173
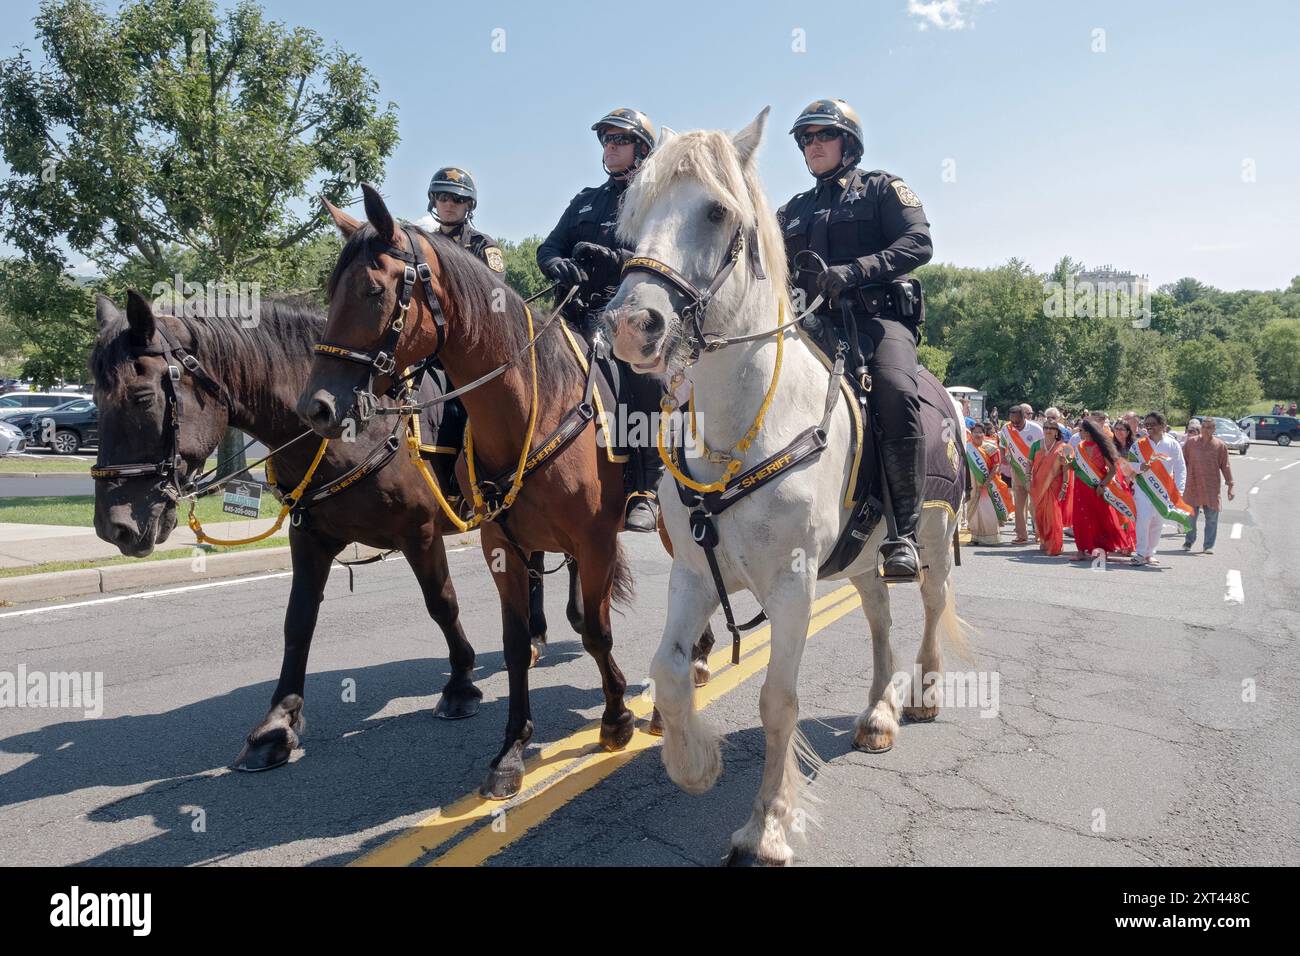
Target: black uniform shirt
872,219
591,217
479,243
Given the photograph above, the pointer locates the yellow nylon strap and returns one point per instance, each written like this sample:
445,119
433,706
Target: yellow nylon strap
413,448
290,500
741,447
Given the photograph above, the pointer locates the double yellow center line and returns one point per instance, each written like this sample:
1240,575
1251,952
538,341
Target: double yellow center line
569,767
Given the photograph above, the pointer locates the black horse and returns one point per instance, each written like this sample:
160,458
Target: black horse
249,376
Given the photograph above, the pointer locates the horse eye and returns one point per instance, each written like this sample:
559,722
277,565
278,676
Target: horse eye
717,212
374,290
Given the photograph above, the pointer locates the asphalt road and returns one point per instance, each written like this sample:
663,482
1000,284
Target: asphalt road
1122,732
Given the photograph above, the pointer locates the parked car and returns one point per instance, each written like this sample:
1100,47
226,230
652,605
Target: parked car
1283,429
75,424
1227,431
12,440
16,404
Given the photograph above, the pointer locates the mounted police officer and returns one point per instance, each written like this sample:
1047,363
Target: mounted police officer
583,250
870,230
453,197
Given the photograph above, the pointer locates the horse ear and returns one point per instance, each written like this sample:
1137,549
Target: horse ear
105,310
139,316
747,140
377,212
344,223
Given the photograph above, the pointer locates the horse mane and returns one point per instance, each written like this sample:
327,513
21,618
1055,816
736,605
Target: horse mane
708,157
494,316
240,355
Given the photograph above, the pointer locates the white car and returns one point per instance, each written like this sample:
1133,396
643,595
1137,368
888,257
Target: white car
11,439
20,403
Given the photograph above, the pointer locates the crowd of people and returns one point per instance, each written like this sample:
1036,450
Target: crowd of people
1107,484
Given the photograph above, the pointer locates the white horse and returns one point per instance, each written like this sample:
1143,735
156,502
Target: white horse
694,195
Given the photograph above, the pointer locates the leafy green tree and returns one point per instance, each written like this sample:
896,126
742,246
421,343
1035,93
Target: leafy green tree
935,359
1279,359
169,129
48,318
1214,376
522,273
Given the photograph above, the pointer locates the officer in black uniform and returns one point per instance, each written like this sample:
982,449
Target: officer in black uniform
871,231
453,197
582,250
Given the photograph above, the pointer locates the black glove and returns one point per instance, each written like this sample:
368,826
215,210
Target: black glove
598,259
564,271
836,279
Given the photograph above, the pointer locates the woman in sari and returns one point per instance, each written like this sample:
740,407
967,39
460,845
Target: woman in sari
983,515
1049,484
1123,433
1096,523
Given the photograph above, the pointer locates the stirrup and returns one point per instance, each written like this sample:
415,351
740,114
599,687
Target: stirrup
899,547
632,505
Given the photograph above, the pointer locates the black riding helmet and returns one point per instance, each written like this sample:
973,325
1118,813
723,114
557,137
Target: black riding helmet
636,123
838,115
454,180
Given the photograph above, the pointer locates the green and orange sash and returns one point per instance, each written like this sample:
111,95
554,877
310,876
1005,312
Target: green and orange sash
1159,485
1017,450
1091,468
986,478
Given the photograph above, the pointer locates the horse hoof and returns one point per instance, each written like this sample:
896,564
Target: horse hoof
920,715
502,783
873,742
701,672
738,858
615,736
263,755
539,645
656,728
457,706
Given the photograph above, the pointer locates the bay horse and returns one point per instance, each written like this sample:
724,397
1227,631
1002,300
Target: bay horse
399,295
249,377
696,210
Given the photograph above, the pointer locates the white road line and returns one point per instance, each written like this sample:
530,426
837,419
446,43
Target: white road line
1266,477
1255,490
1292,465
181,590
1235,594
1236,531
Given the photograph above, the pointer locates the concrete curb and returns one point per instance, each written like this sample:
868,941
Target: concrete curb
27,588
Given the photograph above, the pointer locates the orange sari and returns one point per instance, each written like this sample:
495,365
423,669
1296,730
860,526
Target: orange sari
1050,474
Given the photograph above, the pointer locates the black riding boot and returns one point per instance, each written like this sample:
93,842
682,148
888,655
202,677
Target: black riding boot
642,502
904,465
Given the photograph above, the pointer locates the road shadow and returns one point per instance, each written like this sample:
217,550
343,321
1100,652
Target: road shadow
357,769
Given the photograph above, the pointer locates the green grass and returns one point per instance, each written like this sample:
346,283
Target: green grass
11,465
79,510
156,556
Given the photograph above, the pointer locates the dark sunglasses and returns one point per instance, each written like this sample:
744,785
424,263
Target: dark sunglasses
821,135
450,197
618,139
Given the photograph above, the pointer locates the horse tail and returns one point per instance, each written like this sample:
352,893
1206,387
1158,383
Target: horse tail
624,586
954,630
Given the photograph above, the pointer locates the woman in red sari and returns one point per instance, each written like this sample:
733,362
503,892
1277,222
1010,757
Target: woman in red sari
1049,483
1096,523
1123,433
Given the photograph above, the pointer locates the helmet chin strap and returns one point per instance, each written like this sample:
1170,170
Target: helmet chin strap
637,160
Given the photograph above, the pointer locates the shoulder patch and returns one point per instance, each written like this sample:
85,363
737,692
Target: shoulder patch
905,194
494,259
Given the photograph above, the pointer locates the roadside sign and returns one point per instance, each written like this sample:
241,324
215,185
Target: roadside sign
243,498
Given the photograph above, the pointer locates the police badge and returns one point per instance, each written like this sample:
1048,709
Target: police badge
905,194
495,261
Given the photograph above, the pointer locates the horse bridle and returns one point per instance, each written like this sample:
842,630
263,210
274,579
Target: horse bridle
168,469
697,300
384,360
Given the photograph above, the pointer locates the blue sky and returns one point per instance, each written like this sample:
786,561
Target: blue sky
1133,156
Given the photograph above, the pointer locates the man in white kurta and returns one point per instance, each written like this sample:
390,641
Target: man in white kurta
1149,521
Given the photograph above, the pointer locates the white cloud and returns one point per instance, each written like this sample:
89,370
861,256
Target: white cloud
943,14
89,269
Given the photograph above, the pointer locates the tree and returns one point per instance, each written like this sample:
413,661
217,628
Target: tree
935,359
168,141
49,318
1278,350
522,273
167,130
1214,376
